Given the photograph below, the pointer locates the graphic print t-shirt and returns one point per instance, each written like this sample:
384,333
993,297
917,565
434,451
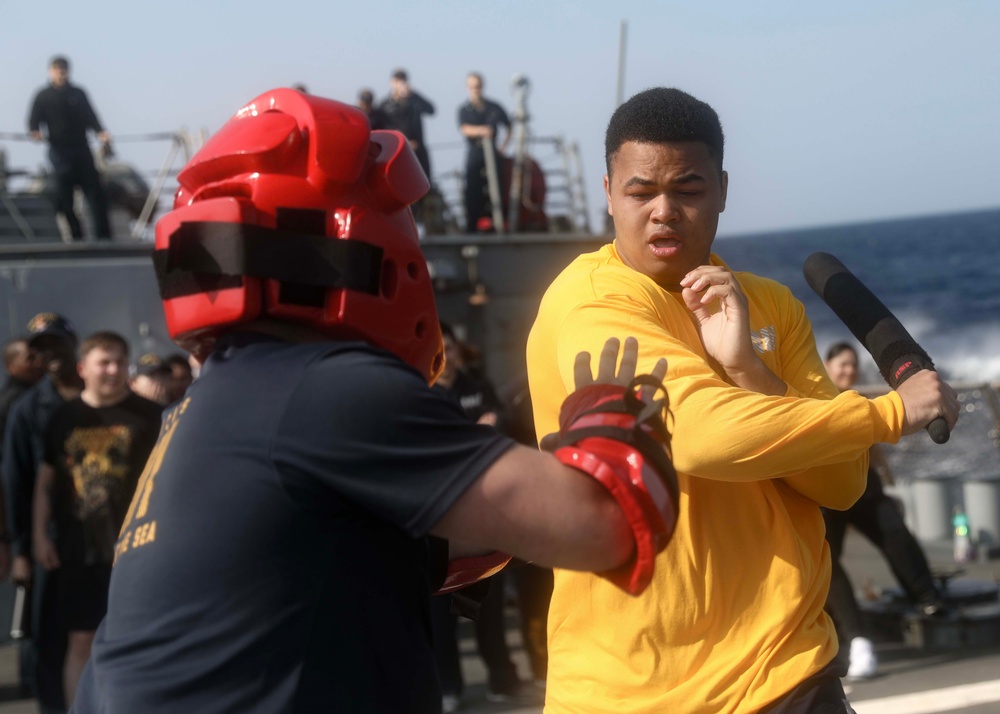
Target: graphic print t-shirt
98,454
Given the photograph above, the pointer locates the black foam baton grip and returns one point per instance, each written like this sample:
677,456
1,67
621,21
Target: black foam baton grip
897,355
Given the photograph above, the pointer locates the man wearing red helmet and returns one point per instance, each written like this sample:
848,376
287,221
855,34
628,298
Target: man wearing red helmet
276,554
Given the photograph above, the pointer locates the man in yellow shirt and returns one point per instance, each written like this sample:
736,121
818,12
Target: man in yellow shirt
733,620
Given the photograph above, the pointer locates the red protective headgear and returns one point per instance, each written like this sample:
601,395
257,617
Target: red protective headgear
296,211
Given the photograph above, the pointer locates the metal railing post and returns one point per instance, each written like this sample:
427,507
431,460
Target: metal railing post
154,193
493,183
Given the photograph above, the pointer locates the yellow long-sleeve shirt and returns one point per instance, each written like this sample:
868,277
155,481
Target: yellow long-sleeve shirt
734,617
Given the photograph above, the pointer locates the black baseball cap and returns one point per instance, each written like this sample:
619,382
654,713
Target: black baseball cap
148,363
50,324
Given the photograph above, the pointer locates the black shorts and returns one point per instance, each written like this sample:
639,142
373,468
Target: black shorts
82,595
822,693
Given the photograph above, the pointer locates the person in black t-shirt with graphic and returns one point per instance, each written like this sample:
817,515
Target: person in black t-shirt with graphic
96,447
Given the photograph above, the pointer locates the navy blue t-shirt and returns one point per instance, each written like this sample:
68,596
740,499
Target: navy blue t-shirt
274,558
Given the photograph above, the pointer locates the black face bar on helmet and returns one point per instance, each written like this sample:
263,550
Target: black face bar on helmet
209,255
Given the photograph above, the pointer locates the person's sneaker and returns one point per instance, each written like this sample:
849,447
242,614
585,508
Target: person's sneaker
933,608
863,662
450,703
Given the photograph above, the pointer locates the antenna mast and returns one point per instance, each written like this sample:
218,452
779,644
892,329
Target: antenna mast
622,38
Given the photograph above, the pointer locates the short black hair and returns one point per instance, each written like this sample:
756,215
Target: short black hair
148,363
664,114
399,74
60,62
839,348
177,359
13,347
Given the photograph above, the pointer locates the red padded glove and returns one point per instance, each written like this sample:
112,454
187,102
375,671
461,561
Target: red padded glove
607,432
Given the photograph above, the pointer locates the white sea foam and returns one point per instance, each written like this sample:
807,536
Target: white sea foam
918,324
964,367
970,354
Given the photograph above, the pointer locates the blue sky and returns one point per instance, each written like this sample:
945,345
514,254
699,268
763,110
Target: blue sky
833,113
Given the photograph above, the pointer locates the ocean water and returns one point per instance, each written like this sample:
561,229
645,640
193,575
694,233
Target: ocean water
940,275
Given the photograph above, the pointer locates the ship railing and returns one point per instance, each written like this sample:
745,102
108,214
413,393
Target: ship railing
565,199
182,144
